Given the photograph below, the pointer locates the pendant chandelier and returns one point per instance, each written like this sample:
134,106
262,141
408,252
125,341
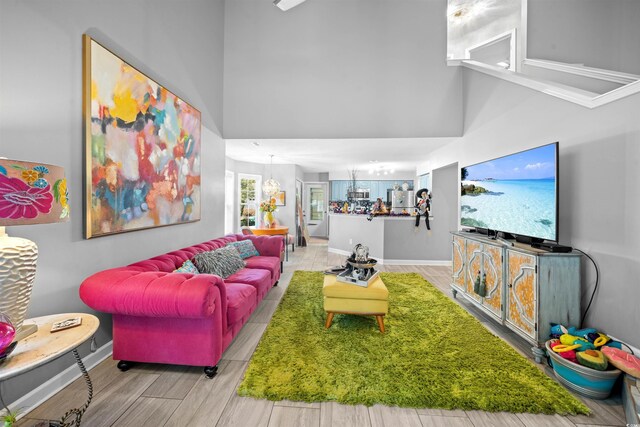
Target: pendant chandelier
271,187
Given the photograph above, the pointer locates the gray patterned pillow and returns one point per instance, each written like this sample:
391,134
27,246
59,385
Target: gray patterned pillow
205,262
222,262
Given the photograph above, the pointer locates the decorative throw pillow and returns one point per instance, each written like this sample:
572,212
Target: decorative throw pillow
245,248
229,260
222,262
206,262
187,267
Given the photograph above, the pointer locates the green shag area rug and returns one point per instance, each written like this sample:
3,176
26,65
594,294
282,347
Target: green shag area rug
433,355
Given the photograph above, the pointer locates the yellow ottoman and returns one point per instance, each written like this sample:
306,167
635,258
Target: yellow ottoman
344,298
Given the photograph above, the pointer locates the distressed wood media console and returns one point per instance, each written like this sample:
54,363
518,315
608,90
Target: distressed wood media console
523,288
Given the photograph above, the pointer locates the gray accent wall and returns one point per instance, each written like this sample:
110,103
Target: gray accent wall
597,33
444,208
339,69
599,153
179,44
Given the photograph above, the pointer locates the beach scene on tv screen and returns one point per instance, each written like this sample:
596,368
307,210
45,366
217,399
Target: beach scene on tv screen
514,194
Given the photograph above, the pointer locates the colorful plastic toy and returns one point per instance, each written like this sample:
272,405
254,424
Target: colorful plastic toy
557,329
601,340
570,342
569,354
622,360
593,359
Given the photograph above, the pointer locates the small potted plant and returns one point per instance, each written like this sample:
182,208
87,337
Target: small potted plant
10,417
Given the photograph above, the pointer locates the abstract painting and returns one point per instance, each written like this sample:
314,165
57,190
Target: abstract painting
281,198
142,149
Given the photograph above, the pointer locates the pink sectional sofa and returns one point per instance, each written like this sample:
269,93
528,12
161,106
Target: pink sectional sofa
177,318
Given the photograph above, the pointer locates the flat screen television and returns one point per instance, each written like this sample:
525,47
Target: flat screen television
515,194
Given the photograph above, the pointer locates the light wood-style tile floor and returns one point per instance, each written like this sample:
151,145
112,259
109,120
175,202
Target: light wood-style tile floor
161,395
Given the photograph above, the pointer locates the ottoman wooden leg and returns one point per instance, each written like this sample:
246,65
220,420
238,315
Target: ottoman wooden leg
329,320
380,320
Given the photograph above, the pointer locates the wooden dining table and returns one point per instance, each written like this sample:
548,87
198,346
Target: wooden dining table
278,230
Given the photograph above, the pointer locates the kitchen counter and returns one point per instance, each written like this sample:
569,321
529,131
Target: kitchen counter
380,217
391,239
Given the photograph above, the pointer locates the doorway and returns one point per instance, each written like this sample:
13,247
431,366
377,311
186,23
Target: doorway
316,199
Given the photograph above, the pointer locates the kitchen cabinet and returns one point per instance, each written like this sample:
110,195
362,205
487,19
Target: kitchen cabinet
523,288
377,188
334,191
374,191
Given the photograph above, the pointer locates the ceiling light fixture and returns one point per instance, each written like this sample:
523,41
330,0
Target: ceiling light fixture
380,169
271,187
460,12
286,4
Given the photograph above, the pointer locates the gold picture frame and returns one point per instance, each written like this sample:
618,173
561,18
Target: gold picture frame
142,148
281,198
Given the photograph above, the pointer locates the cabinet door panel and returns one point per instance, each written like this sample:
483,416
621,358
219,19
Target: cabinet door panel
492,263
521,306
459,262
473,266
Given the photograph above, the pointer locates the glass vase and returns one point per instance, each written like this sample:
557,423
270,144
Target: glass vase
7,332
269,220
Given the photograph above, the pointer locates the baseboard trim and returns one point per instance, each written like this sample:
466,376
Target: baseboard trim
398,261
36,397
339,252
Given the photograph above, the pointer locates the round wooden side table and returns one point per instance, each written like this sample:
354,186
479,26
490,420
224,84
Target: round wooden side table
44,346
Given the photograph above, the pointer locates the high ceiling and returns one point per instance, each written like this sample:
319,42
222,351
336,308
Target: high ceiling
328,155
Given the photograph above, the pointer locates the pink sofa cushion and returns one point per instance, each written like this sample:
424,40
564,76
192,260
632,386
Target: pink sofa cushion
154,293
241,299
270,263
259,279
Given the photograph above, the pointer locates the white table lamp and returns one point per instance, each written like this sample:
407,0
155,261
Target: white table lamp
30,193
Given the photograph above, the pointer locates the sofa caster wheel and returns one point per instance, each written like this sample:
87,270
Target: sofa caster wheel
210,371
124,366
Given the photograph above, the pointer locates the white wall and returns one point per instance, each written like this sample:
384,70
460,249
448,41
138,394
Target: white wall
316,177
599,175
339,69
598,33
284,174
41,120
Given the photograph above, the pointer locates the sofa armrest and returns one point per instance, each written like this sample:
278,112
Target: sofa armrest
154,293
267,245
